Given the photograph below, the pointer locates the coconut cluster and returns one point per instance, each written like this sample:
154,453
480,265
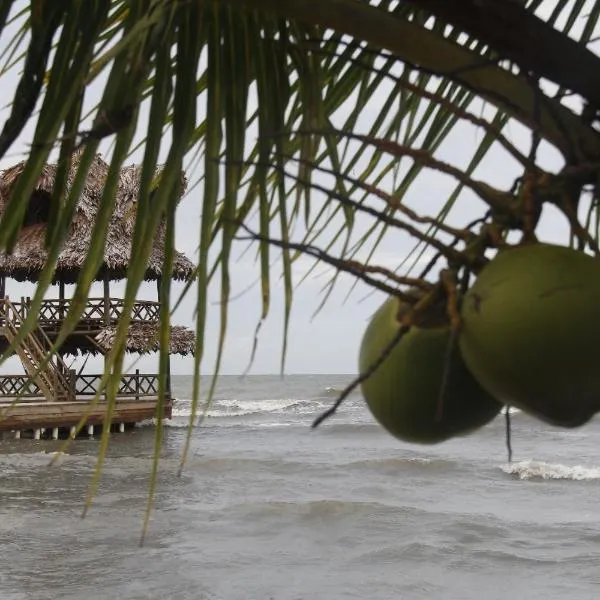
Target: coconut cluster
527,339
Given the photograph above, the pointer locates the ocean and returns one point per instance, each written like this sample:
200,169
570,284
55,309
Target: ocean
268,509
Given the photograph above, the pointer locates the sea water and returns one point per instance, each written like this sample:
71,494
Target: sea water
267,508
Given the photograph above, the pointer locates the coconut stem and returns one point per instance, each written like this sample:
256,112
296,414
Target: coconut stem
578,230
448,280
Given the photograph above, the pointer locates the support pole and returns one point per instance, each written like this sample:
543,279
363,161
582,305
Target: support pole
169,377
106,300
106,282
3,296
61,297
159,283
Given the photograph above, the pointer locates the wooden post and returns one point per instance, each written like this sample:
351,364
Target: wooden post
106,310
61,296
169,378
106,300
3,297
137,384
73,383
168,390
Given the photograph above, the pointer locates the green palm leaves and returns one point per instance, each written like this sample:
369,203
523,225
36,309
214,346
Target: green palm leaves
272,97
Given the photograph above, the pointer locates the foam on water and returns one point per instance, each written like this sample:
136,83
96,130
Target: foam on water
241,408
332,391
531,469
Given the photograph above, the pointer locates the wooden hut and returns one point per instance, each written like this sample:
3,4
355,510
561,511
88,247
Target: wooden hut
51,401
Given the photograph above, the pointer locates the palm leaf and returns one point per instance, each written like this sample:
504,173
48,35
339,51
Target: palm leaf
364,93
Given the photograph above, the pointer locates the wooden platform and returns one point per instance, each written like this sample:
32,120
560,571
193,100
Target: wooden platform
32,415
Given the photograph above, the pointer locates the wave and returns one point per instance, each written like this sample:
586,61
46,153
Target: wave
332,391
242,408
531,469
183,422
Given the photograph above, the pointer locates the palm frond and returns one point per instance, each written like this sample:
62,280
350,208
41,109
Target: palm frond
305,116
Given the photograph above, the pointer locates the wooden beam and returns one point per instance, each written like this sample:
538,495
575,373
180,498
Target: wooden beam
106,282
159,283
61,297
32,415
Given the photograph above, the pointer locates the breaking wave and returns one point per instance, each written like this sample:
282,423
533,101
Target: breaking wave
531,469
243,408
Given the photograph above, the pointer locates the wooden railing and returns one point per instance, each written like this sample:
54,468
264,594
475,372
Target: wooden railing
133,386
12,386
98,312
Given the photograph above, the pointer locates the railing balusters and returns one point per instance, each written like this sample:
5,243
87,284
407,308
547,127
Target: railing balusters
133,385
52,311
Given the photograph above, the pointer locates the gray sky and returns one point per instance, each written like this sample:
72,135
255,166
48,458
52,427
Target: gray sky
328,343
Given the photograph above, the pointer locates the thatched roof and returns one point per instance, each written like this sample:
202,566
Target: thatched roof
29,255
143,338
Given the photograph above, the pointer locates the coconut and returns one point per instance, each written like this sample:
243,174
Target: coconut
403,393
531,330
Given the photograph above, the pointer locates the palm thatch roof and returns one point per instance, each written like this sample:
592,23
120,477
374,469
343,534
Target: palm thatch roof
144,338
29,255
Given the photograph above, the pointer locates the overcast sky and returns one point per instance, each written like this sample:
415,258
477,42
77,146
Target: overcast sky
329,342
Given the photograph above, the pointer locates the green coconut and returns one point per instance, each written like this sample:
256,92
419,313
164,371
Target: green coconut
403,393
531,332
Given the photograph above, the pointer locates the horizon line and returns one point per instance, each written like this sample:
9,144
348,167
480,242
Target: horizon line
258,374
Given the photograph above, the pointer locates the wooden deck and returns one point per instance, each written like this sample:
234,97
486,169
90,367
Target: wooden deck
31,416
30,408
97,313
24,409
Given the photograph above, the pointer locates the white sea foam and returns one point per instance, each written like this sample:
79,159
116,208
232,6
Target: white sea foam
240,408
531,469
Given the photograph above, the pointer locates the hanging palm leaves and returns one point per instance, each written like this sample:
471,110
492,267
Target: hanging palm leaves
313,119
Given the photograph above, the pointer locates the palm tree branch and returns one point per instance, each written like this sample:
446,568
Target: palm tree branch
428,51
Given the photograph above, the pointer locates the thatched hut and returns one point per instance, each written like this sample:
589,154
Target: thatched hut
28,256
